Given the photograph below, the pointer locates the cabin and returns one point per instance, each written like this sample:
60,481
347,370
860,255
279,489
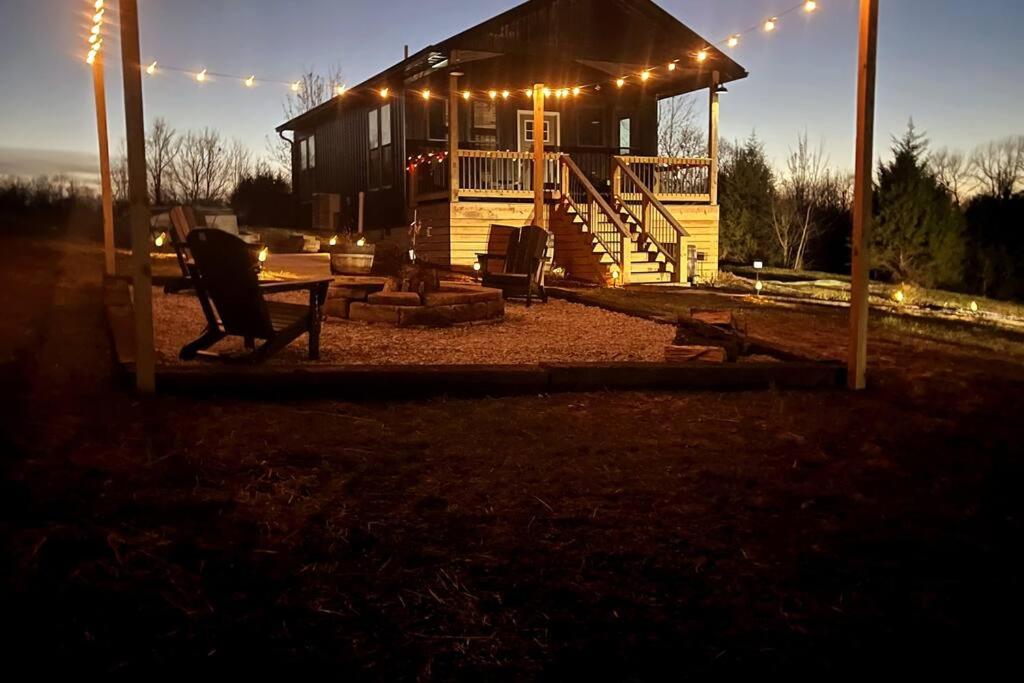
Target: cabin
449,137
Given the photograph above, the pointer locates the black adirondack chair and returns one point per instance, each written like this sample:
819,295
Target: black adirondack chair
522,273
184,220
232,298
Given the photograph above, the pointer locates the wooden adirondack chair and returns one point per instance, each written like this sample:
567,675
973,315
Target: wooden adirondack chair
184,220
522,274
232,298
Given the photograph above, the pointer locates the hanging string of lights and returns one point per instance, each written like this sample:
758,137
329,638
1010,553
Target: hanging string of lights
95,35
701,57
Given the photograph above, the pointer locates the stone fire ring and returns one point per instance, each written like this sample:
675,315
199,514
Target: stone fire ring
363,299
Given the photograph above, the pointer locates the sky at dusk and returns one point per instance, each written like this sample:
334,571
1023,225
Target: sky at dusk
953,65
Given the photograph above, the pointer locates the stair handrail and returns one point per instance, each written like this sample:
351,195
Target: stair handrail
596,197
649,196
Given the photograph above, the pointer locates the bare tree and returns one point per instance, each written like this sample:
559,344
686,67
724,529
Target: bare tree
238,164
793,219
998,166
200,167
161,148
119,173
952,170
679,132
309,91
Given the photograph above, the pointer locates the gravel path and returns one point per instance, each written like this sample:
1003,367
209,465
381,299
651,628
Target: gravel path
552,332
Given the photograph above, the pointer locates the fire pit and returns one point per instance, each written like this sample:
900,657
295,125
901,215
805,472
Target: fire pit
374,300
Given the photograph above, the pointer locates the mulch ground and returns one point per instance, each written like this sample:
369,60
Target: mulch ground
556,332
576,536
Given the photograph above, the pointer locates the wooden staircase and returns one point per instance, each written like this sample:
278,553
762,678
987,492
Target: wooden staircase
623,249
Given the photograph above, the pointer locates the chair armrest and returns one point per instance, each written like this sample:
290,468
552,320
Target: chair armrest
488,257
294,285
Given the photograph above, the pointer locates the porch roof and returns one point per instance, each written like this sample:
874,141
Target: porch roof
564,42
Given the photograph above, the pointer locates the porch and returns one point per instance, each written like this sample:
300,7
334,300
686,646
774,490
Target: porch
616,217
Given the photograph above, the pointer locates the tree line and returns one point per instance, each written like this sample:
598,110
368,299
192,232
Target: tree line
941,218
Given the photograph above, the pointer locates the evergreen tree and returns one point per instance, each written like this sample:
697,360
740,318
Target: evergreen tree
919,232
746,190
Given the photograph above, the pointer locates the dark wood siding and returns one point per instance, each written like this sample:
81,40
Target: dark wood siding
342,147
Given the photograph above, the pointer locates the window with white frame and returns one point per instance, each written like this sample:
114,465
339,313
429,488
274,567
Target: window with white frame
380,158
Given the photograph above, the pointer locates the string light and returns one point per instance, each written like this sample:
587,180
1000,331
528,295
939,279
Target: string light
98,4
95,40
702,55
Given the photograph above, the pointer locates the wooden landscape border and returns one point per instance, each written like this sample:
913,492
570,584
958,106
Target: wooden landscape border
398,382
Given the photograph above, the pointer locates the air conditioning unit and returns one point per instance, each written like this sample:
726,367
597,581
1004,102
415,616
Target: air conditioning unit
326,212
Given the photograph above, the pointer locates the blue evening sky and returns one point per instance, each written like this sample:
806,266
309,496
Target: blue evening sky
954,65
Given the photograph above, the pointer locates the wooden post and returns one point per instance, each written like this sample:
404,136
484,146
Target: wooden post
453,136
538,156
713,140
858,351
135,133
362,211
106,194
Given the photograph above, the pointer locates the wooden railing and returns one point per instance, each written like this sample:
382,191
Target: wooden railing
656,222
673,179
602,221
503,174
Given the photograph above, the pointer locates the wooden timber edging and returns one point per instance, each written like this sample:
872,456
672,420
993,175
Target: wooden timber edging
400,382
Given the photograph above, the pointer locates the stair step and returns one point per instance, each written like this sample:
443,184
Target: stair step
649,278
648,267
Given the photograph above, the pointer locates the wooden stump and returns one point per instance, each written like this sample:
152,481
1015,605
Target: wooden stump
703,328
692,354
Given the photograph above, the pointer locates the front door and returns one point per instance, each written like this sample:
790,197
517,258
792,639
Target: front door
552,138
552,131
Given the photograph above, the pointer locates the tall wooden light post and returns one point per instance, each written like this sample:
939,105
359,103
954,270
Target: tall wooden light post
106,194
142,292
858,351
538,156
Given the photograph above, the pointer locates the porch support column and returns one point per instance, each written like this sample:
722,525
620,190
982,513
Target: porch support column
713,139
105,188
858,351
135,133
538,156
453,136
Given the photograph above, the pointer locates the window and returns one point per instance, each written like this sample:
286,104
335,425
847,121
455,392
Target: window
307,153
528,131
378,122
484,123
437,119
591,127
625,134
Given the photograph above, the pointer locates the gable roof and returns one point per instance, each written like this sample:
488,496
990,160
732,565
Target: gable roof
607,35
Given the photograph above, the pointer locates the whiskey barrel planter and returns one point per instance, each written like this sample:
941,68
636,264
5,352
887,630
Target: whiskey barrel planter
348,258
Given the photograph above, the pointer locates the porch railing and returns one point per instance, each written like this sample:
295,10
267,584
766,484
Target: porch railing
509,175
656,223
673,179
503,174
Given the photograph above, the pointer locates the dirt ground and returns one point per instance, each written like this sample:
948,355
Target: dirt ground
556,332
578,536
